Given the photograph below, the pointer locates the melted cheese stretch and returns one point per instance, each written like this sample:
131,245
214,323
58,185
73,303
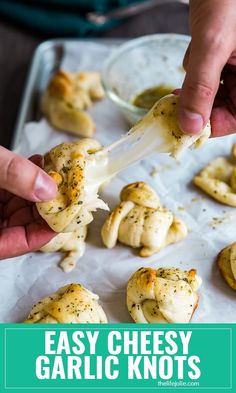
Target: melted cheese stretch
157,132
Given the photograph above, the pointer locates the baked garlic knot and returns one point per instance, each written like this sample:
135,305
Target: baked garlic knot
70,304
218,179
164,295
163,115
67,97
141,222
227,265
70,211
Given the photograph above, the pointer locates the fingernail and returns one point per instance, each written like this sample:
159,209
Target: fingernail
45,188
190,122
176,92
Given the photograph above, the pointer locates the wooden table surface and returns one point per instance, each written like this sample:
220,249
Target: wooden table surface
17,45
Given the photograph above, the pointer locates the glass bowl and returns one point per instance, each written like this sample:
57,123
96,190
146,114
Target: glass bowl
140,64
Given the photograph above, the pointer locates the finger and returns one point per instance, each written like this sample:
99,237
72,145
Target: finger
5,196
186,58
22,216
223,121
230,84
232,59
1,211
21,177
21,240
38,234
201,84
37,159
13,205
176,92
223,117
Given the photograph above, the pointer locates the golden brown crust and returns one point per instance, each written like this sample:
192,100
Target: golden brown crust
67,211
70,304
61,84
141,194
218,179
71,210
233,151
146,278
164,295
227,264
67,97
56,177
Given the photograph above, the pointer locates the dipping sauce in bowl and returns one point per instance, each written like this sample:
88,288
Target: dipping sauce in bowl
142,70
148,97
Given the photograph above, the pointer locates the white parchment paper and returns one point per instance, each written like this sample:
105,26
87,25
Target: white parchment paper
24,280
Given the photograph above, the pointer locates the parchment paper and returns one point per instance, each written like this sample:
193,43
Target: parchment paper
24,280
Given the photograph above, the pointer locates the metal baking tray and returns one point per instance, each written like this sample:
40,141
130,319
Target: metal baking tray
46,61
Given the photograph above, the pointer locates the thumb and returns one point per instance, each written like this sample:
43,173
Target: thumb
204,65
25,179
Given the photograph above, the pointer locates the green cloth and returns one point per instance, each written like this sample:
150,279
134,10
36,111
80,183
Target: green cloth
60,17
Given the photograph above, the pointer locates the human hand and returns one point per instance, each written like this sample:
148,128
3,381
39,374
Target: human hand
210,58
21,228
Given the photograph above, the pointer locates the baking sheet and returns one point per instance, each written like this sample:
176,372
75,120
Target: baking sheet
24,280
47,59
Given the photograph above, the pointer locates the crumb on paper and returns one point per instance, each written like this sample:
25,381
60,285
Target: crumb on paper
154,172
196,199
161,168
216,221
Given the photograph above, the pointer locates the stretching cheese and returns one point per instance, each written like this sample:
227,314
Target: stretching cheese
157,132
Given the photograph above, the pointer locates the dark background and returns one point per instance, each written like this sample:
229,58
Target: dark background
17,46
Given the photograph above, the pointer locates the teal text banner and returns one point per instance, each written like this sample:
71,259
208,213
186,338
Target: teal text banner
129,357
